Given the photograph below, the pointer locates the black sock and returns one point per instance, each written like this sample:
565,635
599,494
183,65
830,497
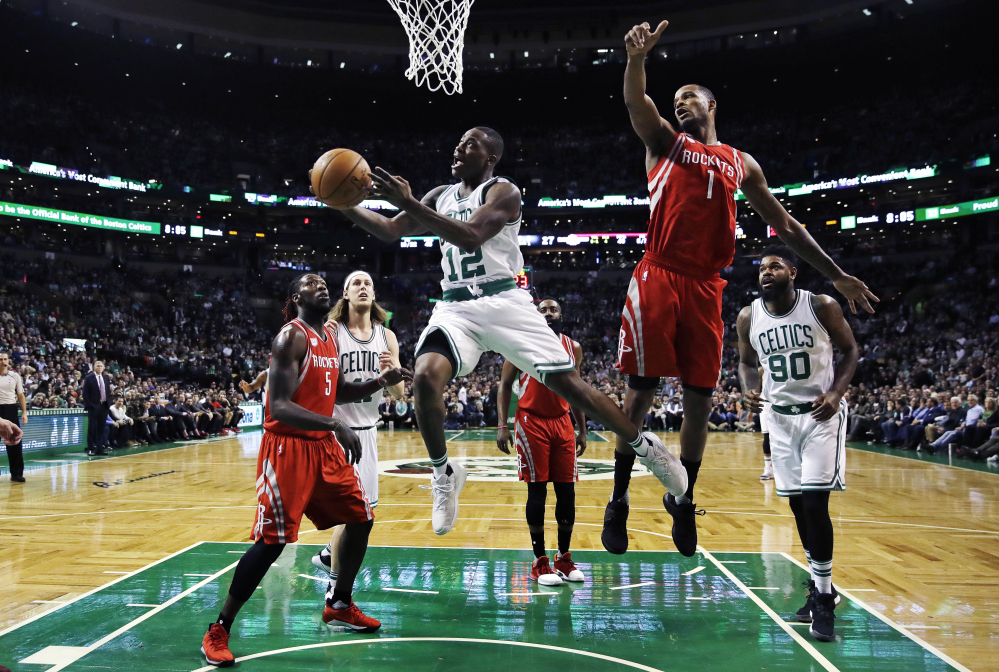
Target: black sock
692,469
564,537
538,543
623,464
340,597
225,622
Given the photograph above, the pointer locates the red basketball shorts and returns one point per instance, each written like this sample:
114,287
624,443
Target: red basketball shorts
546,448
671,326
298,476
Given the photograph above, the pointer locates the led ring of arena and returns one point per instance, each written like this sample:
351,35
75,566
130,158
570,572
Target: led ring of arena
294,649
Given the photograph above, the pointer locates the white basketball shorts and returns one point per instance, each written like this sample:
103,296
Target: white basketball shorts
508,323
807,455
765,418
367,468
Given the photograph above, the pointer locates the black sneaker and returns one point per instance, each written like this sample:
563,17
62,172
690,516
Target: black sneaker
615,534
804,615
822,617
684,528
17,479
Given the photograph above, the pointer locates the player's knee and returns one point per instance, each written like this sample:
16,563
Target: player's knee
537,493
360,528
815,503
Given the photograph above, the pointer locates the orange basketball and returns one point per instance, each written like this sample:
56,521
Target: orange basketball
340,177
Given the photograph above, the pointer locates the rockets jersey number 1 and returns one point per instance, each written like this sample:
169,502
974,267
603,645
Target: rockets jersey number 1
317,379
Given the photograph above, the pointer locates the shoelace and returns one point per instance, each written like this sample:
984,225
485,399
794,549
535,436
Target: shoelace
218,637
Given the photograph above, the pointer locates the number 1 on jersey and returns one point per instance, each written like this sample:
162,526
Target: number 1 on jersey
711,182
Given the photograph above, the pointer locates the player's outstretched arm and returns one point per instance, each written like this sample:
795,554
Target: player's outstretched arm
655,132
502,206
348,392
286,355
749,362
503,396
258,382
830,315
793,234
390,229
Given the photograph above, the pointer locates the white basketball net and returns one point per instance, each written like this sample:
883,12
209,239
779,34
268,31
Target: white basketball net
436,30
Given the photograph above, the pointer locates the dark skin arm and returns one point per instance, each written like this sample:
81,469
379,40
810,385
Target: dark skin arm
794,235
655,132
257,383
349,392
502,206
503,437
830,316
391,229
577,413
749,363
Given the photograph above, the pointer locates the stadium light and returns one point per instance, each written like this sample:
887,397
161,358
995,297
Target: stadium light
180,44
867,12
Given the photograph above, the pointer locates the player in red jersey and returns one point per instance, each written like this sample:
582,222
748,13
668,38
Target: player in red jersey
547,448
304,465
671,322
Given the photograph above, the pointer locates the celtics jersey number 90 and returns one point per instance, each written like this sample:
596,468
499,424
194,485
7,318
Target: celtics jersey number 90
794,350
497,258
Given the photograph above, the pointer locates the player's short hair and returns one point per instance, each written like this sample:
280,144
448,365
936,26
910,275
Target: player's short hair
553,300
494,139
706,92
782,251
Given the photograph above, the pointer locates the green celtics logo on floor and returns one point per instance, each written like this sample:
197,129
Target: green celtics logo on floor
501,468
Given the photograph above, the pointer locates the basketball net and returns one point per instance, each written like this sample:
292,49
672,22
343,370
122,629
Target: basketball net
436,30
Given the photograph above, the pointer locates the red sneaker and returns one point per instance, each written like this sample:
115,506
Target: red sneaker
566,568
215,646
542,572
351,617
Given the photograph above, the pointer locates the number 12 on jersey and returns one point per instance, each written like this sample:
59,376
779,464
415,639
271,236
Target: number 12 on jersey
464,264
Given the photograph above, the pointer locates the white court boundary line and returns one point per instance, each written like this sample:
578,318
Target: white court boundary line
360,642
97,589
892,624
805,644
149,614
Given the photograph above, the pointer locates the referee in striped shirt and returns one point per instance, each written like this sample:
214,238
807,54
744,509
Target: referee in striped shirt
11,396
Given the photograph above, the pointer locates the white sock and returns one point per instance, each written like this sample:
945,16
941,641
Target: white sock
439,465
639,446
822,575
767,463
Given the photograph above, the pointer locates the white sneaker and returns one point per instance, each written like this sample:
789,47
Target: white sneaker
767,475
323,560
566,568
663,464
994,458
445,490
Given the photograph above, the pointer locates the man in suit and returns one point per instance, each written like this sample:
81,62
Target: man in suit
96,399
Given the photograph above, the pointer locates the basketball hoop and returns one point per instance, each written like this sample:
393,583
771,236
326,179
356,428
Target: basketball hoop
436,30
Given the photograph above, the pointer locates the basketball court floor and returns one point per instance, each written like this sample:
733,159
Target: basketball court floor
121,563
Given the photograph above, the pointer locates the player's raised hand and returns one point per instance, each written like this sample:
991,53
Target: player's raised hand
856,292
642,38
351,443
752,401
392,188
395,376
826,406
504,439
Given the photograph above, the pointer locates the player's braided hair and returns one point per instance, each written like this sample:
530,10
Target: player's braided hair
290,309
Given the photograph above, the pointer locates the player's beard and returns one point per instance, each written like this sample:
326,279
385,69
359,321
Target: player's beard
775,290
556,326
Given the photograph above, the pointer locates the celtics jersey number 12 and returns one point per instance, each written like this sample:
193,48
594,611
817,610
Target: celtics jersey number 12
497,258
794,350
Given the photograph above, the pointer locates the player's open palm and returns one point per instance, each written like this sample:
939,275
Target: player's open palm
642,38
504,439
856,292
350,442
825,406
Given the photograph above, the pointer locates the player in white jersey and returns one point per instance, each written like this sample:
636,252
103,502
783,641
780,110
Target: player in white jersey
482,309
366,348
768,466
791,334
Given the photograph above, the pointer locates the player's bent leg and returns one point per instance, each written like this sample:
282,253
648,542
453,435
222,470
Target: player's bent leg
249,573
597,405
340,607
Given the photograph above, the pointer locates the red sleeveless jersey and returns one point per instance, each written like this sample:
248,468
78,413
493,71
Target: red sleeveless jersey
537,399
317,380
692,191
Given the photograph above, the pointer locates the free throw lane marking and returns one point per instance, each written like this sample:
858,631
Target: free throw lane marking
699,598
804,643
197,575
892,624
695,570
524,595
396,640
636,585
153,606
315,578
407,590
762,588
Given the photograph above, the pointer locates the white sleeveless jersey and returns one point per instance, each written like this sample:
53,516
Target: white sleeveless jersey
359,364
795,352
498,258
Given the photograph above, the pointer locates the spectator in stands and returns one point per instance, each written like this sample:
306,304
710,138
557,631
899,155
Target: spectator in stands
674,414
182,418
945,428
862,418
121,425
